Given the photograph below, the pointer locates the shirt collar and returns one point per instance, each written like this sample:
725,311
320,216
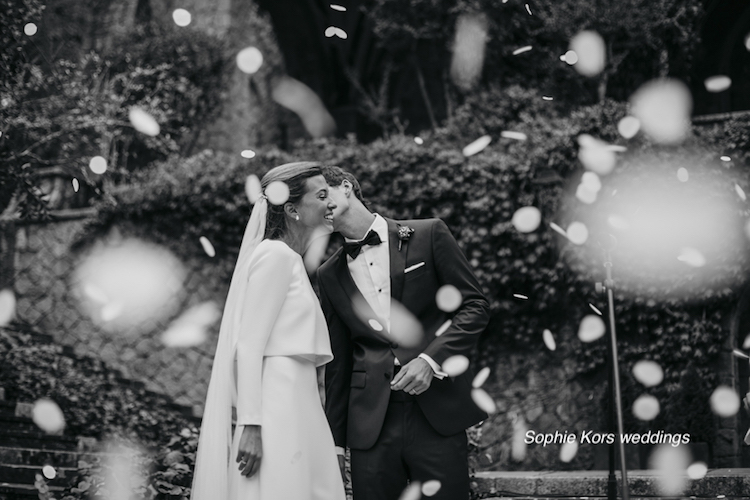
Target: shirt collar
379,225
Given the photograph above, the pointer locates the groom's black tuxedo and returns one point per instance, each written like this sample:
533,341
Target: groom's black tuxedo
358,379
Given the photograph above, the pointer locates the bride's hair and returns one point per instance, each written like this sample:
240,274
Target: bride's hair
294,175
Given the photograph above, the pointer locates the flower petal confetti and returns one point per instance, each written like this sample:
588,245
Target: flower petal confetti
277,192
570,57
430,488
591,328
469,46
98,165
628,126
618,222
481,377
568,451
591,181
520,296
509,134
521,50
558,229
253,188
483,400
249,60
49,472
191,328
740,192
648,373
143,122
746,440
302,100
76,185
725,158
746,343
585,194
30,29
247,153
577,233
747,42
7,306
518,443
332,31
646,407
375,325
443,328
718,83
683,175
595,309
406,330
477,146
663,107
670,465
691,257
48,416
725,402
339,8
526,219
448,298
547,98
549,340
412,492
697,470
207,246
455,365
528,9
419,140
181,17
591,51
596,155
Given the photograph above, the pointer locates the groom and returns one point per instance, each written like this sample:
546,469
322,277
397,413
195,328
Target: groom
387,397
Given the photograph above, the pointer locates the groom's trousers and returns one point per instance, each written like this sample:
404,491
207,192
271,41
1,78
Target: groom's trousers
409,449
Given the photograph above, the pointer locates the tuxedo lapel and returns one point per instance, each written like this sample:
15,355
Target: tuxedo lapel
398,259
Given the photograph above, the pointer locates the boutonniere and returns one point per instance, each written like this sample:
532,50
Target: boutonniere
404,233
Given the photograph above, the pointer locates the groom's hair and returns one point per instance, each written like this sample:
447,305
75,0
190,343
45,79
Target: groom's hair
336,175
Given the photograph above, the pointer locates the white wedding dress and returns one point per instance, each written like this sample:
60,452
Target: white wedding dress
282,338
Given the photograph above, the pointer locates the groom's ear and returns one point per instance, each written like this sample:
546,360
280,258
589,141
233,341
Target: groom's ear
346,186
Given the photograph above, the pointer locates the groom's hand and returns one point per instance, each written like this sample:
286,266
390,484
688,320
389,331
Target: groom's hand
414,378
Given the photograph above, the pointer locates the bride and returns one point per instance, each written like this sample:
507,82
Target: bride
272,338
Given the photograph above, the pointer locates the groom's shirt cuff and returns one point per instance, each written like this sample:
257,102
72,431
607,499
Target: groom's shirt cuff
437,373
340,450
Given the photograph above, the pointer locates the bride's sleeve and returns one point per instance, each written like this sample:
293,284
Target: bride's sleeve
268,283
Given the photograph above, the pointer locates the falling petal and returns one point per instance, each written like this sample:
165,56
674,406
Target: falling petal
455,365
191,328
277,192
646,407
628,126
253,189
181,17
443,328
747,42
747,437
143,122
483,400
746,343
338,8
718,83
302,100
558,229
469,46
664,107
526,219
481,378
418,140
596,155
528,9
30,29
518,443
698,470
648,373
111,311
591,328
316,250
725,402
725,158
570,57
670,465
521,50
740,192
691,257
682,174
591,51
618,222
549,340
248,153
49,472
740,354
249,60
375,325
595,309
520,296
477,146
332,31
547,98
76,185
448,298
591,181
430,488
509,134
585,194
207,246
412,492
406,329
7,306
98,165
577,233
568,451
48,416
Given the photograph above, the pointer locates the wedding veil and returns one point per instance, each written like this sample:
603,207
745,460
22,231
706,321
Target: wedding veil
211,476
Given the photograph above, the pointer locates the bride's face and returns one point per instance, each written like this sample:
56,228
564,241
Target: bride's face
316,207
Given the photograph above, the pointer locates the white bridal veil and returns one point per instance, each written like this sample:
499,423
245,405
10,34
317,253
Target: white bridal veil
210,479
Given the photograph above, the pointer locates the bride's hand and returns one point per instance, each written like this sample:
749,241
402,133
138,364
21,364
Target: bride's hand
250,450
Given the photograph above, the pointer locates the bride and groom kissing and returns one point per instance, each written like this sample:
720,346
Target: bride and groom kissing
388,401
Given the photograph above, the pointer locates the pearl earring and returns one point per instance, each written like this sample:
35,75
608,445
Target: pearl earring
296,216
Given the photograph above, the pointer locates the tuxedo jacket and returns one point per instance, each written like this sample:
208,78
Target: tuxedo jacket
358,379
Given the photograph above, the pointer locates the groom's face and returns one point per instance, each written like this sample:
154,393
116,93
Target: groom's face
339,196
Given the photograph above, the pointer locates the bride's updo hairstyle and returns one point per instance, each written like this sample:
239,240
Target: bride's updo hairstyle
294,175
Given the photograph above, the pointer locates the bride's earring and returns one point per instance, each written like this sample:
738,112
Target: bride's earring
296,216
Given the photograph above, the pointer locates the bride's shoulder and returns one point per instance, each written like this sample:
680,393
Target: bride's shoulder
275,249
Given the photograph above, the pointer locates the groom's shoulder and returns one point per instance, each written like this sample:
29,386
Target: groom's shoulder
329,265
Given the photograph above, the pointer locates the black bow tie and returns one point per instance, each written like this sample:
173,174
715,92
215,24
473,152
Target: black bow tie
353,248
